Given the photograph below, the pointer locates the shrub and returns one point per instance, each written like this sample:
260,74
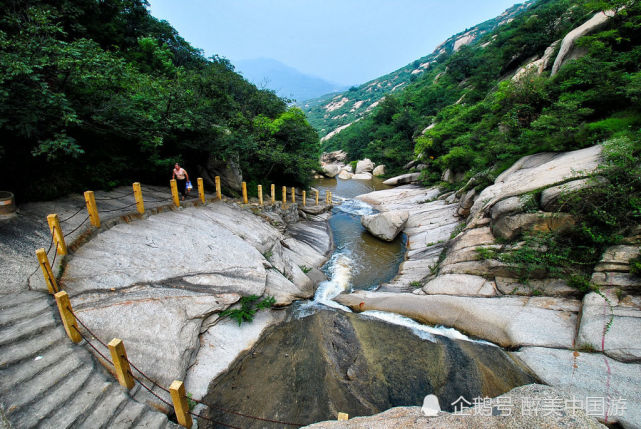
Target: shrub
249,305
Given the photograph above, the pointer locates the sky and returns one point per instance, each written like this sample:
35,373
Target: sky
348,42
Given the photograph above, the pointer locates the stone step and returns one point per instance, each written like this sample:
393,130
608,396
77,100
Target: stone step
14,353
152,419
75,410
128,416
27,328
17,374
26,310
36,388
47,399
107,408
12,299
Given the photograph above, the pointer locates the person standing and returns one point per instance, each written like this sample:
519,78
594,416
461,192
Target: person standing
181,176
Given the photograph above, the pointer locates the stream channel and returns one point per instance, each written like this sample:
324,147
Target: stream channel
324,359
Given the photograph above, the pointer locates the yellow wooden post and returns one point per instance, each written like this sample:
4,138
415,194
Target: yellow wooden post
284,195
68,319
90,199
273,193
56,231
330,199
201,189
181,407
121,365
326,197
343,417
140,204
219,194
316,196
174,192
244,186
50,280
304,198
293,194
260,194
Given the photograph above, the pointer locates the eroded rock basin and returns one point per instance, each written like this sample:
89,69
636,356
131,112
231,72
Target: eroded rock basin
307,370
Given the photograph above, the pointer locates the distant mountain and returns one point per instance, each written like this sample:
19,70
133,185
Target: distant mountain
334,112
286,81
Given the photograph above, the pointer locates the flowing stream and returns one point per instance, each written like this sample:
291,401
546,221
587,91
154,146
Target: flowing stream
324,358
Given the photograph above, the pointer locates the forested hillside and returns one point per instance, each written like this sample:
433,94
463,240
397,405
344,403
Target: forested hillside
95,94
468,112
331,113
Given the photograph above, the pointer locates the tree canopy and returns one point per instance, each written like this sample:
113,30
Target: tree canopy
97,94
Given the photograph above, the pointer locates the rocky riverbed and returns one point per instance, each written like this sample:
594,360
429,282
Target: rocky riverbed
585,346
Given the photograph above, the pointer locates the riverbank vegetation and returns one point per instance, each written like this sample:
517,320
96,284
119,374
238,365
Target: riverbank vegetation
99,94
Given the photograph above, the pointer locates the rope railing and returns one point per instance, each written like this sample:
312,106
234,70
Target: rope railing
120,361
77,227
73,215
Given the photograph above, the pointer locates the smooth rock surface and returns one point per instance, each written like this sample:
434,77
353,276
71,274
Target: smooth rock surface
590,375
221,344
362,176
460,285
331,170
509,227
551,198
607,327
158,282
364,166
538,171
507,321
379,170
546,287
387,225
345,175
403,179
512,410
568,42
334,361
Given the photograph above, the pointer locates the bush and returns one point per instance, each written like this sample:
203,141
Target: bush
249,305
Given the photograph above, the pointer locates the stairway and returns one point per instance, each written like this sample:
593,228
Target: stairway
47,381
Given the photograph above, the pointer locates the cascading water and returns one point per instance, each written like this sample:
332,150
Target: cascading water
356,264
326,358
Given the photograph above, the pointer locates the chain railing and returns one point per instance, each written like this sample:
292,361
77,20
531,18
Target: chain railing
122,365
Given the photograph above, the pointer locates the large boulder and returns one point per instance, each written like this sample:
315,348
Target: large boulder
357,365
465,204
362,176
364,166
331,170
385,226
512,205
335,157
450,176
345,175
509,227
506,321
538,171
552,197
568,47
231,177
402,179
379,170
